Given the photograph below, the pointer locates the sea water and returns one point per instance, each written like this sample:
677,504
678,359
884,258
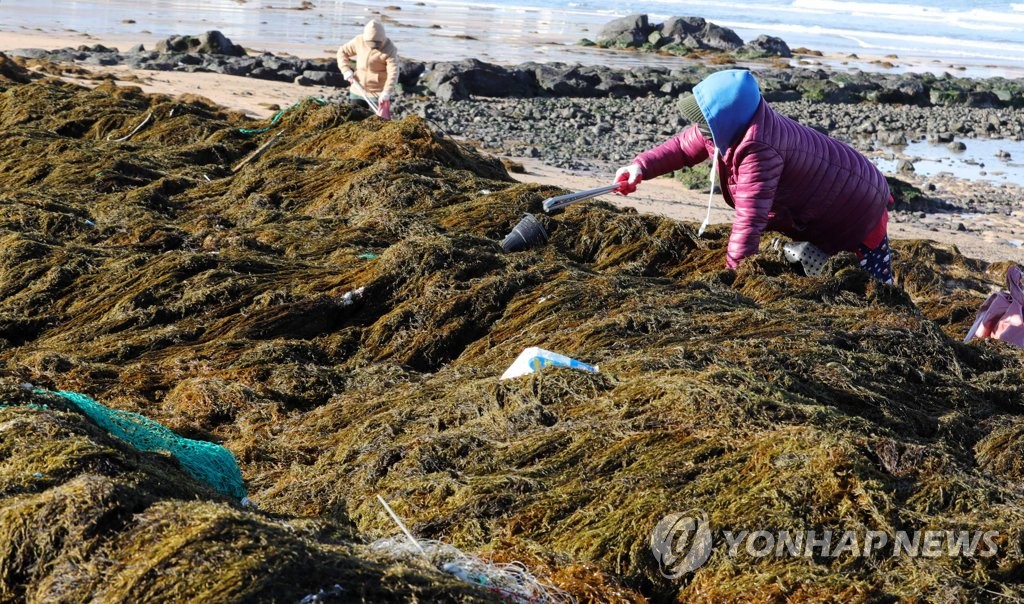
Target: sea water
982,159
975,37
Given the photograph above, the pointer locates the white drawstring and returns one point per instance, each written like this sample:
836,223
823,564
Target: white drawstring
711,194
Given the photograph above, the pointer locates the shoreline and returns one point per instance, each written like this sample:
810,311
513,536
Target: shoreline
445,30
986,235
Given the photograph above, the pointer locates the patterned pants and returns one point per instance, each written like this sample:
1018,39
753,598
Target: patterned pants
877,261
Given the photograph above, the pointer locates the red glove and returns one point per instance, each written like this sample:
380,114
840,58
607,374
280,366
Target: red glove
630,176
385,109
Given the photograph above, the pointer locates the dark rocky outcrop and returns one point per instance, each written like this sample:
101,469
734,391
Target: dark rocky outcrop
626,32
698,33
460,80
211,42
475,78
766,46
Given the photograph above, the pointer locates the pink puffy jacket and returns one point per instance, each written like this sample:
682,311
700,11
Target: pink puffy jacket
783,176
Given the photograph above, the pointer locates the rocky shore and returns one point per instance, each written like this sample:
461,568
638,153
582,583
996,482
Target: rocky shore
594,118
462,80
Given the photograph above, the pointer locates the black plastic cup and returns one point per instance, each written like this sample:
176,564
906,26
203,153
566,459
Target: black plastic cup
525,235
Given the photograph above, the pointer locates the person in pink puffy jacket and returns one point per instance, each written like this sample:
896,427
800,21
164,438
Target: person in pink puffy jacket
777,174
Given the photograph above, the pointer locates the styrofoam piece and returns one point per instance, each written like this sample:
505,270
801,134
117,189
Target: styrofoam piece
534,358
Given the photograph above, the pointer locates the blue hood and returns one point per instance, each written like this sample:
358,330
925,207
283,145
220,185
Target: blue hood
728,99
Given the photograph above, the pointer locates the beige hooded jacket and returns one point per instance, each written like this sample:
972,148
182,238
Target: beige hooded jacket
376,60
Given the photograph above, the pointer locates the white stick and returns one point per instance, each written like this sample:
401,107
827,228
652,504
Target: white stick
370,103
398,521
132,133
362,93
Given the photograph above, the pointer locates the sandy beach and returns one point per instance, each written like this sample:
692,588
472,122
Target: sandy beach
986,236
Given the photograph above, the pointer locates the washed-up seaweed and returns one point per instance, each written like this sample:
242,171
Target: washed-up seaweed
337,313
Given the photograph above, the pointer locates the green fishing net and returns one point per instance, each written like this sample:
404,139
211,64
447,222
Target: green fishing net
206,461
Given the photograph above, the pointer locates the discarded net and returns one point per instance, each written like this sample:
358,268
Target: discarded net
511,581
205,461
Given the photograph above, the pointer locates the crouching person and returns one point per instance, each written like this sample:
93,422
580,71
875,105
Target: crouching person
777,174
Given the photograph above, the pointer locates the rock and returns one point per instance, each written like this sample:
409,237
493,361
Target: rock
265,73
682,31
211,42
630,32
560,80
409,72
101,59
277,63
96,48
451,91
895,139
695,32
905,90
190,59
29,53
721,38
766,46
323,78
982,98
1003,154
239,67
474,77
905,165
956,146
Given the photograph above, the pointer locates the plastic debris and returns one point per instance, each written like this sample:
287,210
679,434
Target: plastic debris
807,254
529,233
349,298
324,596
511,581
533,359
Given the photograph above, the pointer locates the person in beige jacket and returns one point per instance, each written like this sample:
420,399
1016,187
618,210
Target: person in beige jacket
376,69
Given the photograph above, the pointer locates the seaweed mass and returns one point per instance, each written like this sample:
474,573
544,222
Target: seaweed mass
336,311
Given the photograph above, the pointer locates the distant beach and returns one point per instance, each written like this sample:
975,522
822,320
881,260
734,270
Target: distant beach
910,38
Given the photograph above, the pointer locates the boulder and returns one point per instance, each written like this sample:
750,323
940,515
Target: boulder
476,78
560,80
903,90
321,78
698,33
631,32
211,42
409,72
766,46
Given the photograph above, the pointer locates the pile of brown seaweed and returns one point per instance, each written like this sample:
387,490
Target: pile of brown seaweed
337,311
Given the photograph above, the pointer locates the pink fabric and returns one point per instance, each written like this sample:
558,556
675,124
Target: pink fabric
786,177
877,234
1002,315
